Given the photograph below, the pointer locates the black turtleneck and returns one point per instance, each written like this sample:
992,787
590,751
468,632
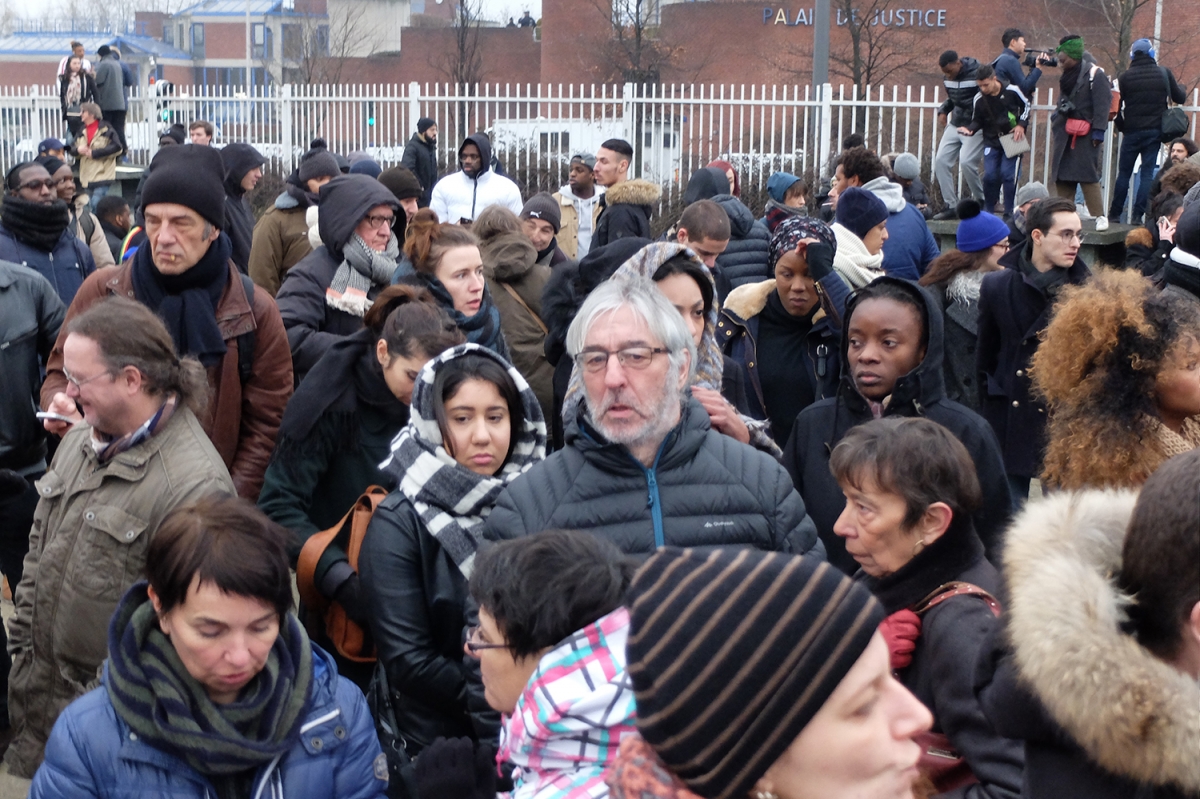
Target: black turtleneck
782,370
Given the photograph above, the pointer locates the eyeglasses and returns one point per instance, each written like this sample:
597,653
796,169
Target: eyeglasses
474,645
34,185
81,383
379,220
1068,236
595,360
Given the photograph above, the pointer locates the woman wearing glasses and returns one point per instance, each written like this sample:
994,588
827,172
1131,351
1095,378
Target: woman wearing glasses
326,294
474,426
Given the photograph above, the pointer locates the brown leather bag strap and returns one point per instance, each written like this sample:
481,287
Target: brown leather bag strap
953,589
306,564
525,305
364,509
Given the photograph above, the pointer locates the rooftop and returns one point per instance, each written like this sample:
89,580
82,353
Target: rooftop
43,43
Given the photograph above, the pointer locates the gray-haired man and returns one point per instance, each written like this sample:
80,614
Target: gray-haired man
641,466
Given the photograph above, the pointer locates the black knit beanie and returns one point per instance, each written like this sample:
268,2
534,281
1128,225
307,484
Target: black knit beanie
401,182
424,124
190,176
858,210
733,651
544,207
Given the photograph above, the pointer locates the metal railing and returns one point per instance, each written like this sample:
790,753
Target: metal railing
674,129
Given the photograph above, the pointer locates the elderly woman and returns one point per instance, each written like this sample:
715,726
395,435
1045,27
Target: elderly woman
211,687
761,674
910,488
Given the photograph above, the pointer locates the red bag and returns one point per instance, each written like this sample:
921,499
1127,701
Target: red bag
940,762
1075,129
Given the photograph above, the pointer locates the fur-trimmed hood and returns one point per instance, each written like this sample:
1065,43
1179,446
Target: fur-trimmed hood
1132,714
748,300
633,192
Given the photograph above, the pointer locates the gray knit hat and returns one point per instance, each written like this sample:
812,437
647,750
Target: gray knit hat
542,206
319,163
733,651
1030,192
906,166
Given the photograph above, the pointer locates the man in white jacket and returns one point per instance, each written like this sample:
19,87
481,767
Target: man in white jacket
460,196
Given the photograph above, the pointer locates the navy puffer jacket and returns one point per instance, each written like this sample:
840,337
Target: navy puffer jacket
745,260
66,267
93,753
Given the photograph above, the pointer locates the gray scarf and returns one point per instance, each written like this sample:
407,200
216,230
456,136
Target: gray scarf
361,268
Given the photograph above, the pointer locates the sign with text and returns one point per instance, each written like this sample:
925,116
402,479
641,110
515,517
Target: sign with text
888,18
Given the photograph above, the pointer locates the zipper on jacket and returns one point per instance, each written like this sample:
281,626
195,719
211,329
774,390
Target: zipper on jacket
653,500
822,360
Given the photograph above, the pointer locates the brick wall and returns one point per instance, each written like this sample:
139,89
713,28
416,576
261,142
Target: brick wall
509,56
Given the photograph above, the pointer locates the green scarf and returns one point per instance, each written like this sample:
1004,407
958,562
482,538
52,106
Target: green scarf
154,694
1072,48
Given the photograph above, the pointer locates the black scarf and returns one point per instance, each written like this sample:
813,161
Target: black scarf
1185,277
303,196
187,303
1070,77
37,224
937,564
483,328
1049,282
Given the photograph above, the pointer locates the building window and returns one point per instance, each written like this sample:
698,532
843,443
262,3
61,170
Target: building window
179,37
198,40
321,41
293,42
261,47
556,142
168,35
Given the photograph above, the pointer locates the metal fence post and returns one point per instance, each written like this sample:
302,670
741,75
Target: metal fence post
627,117
35,114
285,125
826,122
414,109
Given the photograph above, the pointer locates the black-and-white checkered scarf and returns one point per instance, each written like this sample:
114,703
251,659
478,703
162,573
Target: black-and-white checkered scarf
453,501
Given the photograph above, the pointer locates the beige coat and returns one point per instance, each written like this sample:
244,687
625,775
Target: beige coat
98,244
88,544
568,230
101,166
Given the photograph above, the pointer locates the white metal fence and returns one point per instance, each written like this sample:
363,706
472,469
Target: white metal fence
674,129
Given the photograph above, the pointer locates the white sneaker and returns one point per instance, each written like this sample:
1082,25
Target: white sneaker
1101,224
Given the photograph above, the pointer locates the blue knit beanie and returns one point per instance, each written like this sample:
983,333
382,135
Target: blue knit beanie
778,184
859,210
977,229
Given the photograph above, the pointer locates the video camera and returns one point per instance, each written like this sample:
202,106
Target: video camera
1031,58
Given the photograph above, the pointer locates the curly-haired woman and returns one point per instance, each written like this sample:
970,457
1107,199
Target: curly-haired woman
1119,368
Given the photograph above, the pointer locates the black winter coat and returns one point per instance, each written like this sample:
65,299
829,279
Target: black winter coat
942,672
625,211
1144,94
746,258
420,157
960,93
238,159
419,600
921,392
960,324
1012,312
705,490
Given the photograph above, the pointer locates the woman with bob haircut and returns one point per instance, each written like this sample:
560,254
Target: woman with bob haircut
1119,367
551,649
1102,679
474,426
910,489
761,674
211,687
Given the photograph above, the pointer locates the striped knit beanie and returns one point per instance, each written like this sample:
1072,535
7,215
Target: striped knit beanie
732,652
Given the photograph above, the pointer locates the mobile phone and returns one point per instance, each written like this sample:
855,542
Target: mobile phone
55,417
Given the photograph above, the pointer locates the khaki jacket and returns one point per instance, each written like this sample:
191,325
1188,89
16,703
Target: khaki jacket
280,242
568,229
101,166
241,420
88,544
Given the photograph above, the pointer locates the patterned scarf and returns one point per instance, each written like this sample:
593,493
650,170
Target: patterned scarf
107,447
74,93
361,268
483,328
452,501
638,773
1171,443
852,261
154,694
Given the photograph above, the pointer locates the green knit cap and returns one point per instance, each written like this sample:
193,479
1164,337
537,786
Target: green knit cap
1071,47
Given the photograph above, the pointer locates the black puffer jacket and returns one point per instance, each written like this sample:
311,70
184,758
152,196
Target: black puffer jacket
960,93
420,157
745,259
921,392
625,211
312,324
706,490
418,596
1144,94
238,159
942,672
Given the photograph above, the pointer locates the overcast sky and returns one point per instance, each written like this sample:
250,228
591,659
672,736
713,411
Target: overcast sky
493,9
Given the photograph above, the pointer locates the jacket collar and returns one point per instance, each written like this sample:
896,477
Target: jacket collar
748,300
131,464
234,314
937,564
680,445
1077,272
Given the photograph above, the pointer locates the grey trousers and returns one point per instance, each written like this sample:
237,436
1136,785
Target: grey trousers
953,150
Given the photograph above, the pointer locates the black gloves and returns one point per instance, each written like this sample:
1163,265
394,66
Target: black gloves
819,257
349,596
454,769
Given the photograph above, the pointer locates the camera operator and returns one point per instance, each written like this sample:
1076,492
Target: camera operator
1008,63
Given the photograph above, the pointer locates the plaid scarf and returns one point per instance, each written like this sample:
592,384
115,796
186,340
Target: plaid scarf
107,447
361,268
452,501
154,694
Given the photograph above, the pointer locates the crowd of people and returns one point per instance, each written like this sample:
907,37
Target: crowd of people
787,507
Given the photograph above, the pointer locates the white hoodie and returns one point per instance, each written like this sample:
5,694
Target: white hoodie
457,196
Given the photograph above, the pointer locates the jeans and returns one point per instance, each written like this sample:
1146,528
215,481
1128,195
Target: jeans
1146,144
955,148
98,190
997,169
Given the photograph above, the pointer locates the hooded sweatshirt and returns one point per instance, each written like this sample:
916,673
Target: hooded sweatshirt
910,246
238,159
921,392
460,196
705,184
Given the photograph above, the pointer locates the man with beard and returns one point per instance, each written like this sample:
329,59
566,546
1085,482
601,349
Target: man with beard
420,157
184,272
459,197
35,230
642,467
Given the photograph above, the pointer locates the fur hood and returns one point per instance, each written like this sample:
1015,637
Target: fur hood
1132,714
748,300
633,192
